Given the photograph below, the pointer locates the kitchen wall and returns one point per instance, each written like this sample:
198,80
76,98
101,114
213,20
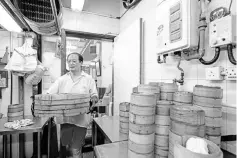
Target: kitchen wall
106,64
194,70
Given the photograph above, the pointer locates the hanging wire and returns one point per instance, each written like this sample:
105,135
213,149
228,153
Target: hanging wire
230,6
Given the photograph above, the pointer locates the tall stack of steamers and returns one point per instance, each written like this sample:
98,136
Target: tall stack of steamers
141,125
162,119
209,99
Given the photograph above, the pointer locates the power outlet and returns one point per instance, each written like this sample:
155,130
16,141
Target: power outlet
231,73
214,73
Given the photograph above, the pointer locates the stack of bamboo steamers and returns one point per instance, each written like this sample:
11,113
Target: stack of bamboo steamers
61,105
124,117
162,119
15,112
209,99
142,121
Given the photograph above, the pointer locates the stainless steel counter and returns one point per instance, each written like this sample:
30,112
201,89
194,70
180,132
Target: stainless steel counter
113,150
109,126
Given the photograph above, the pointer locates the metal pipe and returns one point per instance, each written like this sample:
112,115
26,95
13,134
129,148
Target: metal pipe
202,28
230,54
217,54
54,9
181,80
142,54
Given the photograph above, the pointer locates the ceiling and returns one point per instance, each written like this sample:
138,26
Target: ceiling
103,7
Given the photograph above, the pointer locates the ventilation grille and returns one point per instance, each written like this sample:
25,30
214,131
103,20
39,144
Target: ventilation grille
37,10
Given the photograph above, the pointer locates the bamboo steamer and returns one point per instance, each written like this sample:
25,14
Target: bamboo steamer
61,107
124,125
188,114
146,88
124,106
61,99
180,128
143,99
61,102
149,89
124,131
208,102
162,130
161,153
15,108
183,97
11,119
211,111
213,121
156,83
143,110
123,114
141,119
163,107
162,147
173,138
124,119
208,92
182,104
15,112
141,139
213,131
166,96
140,148
169,87
161,140
142,129
214,139
162,120
49,105
132,154
180,151
65,96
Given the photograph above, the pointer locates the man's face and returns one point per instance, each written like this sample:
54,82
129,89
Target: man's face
73,62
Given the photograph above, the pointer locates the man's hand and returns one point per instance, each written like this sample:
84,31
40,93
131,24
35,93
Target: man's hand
94,100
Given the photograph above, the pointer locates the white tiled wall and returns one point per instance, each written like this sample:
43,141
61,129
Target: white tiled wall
194,70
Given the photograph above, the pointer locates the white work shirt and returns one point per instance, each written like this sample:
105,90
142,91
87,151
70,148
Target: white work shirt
85,84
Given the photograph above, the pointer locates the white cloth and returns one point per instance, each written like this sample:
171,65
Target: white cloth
24,58
197,145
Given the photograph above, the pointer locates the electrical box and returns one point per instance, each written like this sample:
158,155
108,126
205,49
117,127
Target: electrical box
222,31
177,25
214,73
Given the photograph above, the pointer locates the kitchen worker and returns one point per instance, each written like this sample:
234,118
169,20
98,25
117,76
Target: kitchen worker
75,81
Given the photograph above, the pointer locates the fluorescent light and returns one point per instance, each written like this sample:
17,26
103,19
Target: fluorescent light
8,22
77,4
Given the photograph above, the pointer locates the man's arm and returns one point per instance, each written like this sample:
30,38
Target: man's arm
93,92
54,88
